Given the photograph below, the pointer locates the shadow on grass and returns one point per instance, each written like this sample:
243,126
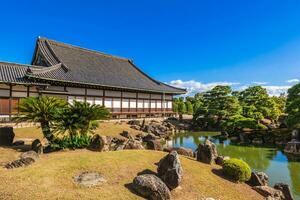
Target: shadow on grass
18,148
130,186
219,172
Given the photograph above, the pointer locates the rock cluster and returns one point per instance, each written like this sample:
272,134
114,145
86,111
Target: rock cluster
169,176
280,191
26,159
181,150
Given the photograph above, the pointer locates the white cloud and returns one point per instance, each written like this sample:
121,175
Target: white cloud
294,80
259,83
193,86
276,90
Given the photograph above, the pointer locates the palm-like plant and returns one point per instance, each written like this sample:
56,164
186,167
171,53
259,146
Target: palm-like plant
42,110
79,118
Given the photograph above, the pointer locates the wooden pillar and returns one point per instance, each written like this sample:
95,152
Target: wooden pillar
9,101
103,97
28,89
121,102
85,94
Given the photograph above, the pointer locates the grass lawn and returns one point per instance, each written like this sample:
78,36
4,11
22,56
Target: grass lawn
51,177
106,128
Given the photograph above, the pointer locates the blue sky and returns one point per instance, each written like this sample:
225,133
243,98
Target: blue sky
194,44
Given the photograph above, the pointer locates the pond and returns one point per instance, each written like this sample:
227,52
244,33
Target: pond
271,160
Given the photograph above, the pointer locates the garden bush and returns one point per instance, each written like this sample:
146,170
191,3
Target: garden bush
237,169
74,142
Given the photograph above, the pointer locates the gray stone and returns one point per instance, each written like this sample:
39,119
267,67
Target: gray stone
125,134
22,162
7,136
100,143
89,179
285,189
257,141
18,143
170,170
148,137
207,152
258,179
292,147
133,144
220,159
181,150
37,146
30,154
267,191
151,187
154,145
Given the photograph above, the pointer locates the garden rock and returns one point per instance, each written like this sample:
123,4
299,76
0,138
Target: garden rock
125,134
133,144
37,146
285,189
7,136
30,154
154,145
100,143
23,162
267,191
220,159
257,141
18,143
170,170
207,152
292,147
258,179
89,179
181,150
151,187
148,137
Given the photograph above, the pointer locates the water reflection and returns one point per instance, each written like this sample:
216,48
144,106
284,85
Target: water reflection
271,160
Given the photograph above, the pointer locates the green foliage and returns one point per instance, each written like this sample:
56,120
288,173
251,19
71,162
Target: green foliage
239,122
79,118
189,107
75,142
293,107
42,110
237,169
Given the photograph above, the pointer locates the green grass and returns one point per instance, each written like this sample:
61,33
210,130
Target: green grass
51,177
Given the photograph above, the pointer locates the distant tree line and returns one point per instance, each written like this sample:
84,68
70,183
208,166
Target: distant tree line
224,109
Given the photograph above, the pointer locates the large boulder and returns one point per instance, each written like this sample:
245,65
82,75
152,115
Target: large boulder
148,137
154,145
207,152
133,144
258,179
151,187
220,159
125,134
285,189
267,191
180,150
37,146
170,170
100,143
135,122
7,136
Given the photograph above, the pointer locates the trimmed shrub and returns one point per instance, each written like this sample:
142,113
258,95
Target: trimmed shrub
237,169
74,142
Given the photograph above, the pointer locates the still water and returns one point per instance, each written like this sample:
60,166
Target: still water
271,160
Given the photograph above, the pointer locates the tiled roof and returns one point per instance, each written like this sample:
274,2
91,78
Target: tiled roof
15,73
78,65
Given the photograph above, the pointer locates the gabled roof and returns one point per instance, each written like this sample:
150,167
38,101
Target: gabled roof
15,73
68,63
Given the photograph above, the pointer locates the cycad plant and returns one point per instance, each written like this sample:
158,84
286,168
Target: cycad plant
79,118
41,110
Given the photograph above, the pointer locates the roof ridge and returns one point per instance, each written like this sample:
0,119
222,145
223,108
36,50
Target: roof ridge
82,48
21,64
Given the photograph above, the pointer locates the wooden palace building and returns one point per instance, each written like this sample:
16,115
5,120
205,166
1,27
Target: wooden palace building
75,73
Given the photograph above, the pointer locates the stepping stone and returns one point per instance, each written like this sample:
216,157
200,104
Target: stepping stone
89,179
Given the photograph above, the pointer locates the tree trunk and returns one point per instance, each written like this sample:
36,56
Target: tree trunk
46,131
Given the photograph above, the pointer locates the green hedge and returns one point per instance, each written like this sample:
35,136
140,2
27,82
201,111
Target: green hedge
75,142
237,169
